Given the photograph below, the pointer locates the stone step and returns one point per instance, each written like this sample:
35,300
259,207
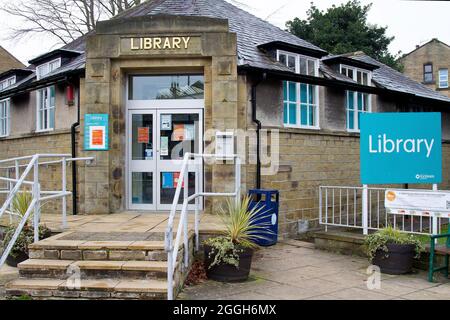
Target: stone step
88,289
99,250
92,269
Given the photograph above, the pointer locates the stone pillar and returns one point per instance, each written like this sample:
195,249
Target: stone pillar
97,100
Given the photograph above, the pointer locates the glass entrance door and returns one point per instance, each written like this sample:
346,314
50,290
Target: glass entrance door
179,131
158,141
142,160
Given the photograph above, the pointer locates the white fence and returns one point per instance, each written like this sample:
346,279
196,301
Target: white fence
363,208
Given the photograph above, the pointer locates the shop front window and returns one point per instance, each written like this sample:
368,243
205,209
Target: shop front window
166,87
300,100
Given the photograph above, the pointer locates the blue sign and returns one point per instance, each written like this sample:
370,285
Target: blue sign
96,135
401,148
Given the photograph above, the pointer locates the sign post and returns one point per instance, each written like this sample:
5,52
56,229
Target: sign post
400,148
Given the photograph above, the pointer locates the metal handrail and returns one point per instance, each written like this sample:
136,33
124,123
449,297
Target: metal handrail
35,203
172,247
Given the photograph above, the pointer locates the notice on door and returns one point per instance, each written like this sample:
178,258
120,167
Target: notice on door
164,146
166,122
96,132
143,135
178,133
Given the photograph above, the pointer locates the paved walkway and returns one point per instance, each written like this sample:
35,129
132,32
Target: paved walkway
295,270
123,222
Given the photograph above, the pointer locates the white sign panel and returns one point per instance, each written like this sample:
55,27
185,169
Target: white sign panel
418,202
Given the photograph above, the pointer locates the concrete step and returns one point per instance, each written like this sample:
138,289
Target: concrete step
99,250
92,269
88,289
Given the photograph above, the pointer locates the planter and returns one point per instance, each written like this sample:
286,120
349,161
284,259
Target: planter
228,272
399,260
14,261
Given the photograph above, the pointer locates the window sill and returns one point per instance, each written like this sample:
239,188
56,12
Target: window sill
44,130
353,131
300,127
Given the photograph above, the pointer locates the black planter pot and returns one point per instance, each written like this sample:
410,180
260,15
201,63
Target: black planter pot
398,260
14,261
228,272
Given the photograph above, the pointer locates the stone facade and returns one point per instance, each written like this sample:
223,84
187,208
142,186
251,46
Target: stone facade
107,65
435,52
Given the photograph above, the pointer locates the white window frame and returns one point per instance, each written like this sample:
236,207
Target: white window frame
46,67
355,97
298,124
8,82
47,107
443,77
5,118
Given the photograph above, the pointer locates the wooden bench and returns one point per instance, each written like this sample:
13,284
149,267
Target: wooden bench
438,249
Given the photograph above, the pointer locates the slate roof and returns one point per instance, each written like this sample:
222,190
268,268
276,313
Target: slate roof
391,79
251,32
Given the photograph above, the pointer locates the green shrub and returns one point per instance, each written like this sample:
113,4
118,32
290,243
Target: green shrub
389,235
25,238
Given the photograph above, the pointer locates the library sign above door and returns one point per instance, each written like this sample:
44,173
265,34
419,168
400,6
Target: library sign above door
161,45
401,148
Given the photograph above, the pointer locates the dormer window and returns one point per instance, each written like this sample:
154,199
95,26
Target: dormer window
300,100
46,68
356,102
4,84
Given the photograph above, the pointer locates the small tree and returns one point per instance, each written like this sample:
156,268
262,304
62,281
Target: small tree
64,19
344,28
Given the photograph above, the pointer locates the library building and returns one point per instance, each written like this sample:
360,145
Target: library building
169,77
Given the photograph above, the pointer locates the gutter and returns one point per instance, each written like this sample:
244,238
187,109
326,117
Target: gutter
258,130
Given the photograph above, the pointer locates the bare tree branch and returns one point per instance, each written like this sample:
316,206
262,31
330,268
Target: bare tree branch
65,20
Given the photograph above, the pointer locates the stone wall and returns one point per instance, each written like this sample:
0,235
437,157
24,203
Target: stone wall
49,175
110,59
308,161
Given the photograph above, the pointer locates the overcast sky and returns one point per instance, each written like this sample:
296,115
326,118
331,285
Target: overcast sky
411,22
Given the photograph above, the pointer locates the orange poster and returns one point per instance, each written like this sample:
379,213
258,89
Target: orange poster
178,132
143,135
176,176
97,137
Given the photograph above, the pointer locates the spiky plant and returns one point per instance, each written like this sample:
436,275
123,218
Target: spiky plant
21,203
243,224
243,227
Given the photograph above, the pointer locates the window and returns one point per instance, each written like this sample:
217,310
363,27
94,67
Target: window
44,69
4,118
428,73
46,109
7,83
356,102
443,78
161,87
300,100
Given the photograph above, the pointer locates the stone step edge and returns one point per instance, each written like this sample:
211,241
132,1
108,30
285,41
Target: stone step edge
100,265
103,285
57,244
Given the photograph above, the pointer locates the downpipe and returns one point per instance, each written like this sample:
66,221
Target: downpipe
74,155
258,130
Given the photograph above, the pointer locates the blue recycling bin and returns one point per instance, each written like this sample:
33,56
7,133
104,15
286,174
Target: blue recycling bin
269,200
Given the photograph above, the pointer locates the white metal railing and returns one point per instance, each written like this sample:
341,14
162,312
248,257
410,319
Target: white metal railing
14,185
172,247
363,208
